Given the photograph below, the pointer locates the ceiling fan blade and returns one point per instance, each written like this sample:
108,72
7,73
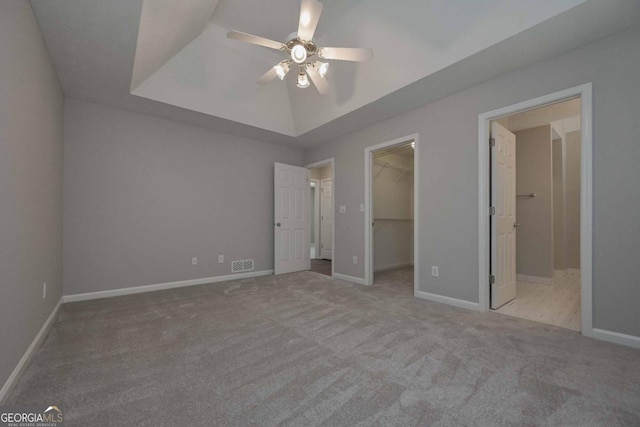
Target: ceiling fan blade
320,82
310,11
250,38
268,76
346,53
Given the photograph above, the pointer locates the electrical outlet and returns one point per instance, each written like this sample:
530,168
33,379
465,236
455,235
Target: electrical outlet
343,209
194,260
355,259
434,271
220,259
44,290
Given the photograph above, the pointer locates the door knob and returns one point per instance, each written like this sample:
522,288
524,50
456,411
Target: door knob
516,225
278,225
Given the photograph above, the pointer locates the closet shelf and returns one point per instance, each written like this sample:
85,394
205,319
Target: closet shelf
389,165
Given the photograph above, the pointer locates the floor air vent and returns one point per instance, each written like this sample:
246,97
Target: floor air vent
242,265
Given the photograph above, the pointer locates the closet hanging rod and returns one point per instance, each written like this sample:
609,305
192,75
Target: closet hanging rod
529,196
391,165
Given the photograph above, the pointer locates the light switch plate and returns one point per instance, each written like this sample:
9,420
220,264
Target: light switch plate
343,209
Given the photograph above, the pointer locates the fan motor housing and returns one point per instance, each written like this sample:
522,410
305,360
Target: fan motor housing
309,46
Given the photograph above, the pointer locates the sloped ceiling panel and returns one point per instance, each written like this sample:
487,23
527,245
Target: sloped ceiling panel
211,75
167,27
412,40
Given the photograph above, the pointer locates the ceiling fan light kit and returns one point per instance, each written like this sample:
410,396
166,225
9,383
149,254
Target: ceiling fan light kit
303,80
323,68
303,52
282,69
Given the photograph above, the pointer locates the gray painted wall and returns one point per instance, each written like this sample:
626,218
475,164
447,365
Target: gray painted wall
448,161
572,202
143,195
534,238
559,262
30,183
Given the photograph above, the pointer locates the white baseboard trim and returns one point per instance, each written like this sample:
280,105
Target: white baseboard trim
448,300
616,338
352,279
163,286
392,267
534,279
24,361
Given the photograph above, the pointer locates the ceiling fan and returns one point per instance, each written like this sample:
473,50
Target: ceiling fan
303,52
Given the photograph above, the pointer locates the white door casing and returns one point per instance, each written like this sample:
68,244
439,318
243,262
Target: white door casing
291,218
368,213
326,215
503,221
315,221
585,93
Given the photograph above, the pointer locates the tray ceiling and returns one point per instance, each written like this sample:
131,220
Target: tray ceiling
198,68
172,59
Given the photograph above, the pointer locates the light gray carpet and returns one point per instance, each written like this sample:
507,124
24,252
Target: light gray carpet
303,350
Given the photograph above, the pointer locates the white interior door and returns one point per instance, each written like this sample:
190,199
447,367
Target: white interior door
291,218
503,222
326,218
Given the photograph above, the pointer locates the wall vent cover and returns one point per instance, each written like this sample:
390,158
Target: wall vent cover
241,265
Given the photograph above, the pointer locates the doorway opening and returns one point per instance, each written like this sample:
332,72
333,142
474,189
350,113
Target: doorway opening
536,183
390,209
535,232
321,183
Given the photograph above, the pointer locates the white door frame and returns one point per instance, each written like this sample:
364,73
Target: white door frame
586,193
316,216
323,183
330,161
368,206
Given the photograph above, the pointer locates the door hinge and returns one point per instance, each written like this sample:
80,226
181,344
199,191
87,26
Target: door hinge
492,279
492,210
492,142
